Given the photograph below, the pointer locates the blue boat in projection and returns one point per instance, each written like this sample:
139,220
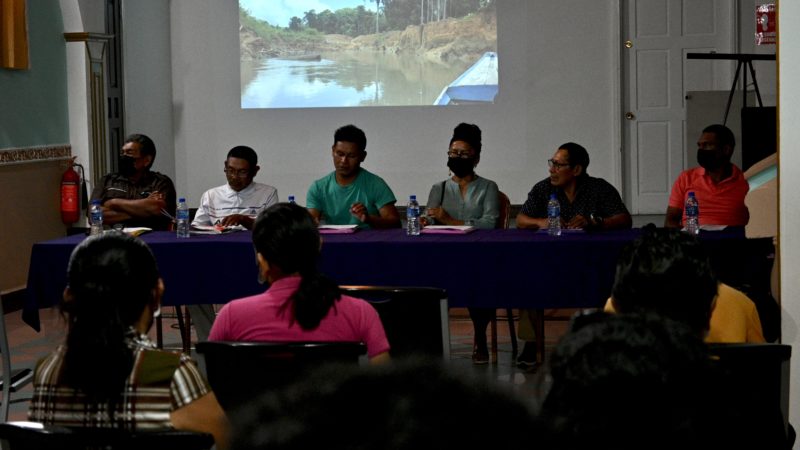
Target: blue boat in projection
478,84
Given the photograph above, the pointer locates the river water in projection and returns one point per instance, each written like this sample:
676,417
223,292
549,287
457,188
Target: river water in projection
338,79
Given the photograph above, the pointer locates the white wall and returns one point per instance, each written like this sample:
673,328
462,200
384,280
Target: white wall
147,77
789,183
556,85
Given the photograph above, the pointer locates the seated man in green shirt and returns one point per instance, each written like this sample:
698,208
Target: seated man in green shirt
351,195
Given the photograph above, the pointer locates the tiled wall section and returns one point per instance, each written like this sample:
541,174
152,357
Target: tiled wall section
33,154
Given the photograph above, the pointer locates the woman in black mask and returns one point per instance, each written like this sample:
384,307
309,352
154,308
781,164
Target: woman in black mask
466,199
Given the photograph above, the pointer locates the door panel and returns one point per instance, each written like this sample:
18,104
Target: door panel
656,76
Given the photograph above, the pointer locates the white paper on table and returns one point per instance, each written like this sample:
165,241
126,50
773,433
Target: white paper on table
448,229
337,229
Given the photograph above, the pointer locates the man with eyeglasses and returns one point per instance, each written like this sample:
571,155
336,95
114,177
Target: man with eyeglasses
240,200
237,202
351,195
135,196
587,203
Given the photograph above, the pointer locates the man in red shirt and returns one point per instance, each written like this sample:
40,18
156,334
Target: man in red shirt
720,186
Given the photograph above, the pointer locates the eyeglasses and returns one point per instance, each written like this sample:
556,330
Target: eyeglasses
553,164
464,155
241,173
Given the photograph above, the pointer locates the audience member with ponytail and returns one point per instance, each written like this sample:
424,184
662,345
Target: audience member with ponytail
301,304
108,374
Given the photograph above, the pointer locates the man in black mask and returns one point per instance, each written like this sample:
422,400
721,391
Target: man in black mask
718,185
136,196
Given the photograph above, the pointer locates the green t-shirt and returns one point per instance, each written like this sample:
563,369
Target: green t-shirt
334,201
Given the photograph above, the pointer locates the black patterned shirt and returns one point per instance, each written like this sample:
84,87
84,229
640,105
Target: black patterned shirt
115,185
593,196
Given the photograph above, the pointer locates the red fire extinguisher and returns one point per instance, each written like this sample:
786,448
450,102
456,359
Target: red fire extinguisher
70,204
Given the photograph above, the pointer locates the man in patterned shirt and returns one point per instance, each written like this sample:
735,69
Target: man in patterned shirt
136,196
586,202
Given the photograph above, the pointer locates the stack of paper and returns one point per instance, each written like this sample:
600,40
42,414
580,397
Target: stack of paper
447,229
215,229
337,229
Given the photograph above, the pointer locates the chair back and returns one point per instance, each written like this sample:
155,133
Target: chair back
415,318
237,371
30,436
759,373
505,210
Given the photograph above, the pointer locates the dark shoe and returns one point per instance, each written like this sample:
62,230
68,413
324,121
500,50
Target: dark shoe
480,355
527,358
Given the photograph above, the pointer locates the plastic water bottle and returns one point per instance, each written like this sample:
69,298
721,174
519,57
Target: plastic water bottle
553,216
412,216
692,209
96,218
182,217
291,199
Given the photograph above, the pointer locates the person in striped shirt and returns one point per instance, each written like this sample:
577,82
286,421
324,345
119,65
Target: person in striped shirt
108,374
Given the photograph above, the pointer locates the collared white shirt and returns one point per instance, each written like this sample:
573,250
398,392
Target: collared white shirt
222,201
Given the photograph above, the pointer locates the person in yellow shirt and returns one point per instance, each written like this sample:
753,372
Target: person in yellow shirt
734,318
668,272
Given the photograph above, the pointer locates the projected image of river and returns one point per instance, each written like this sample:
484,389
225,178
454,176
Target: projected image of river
338,79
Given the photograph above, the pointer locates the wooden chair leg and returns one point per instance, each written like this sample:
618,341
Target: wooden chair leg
185,327
513,332
159,333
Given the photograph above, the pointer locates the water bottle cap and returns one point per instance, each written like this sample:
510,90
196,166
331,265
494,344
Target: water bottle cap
691,193
413,197
96,202
181,200
553,196
291,197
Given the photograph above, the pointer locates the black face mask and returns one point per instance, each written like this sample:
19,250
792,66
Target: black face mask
127,165
461,167
709,160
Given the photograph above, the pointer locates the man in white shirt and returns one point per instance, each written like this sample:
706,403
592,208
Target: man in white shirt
237,203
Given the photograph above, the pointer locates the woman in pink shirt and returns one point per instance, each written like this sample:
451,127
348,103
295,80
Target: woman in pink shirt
301,304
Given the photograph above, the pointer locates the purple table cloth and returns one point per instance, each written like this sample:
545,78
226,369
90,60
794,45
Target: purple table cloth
486,268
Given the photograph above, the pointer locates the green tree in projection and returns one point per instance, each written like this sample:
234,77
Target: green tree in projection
295,23
328,22
311,20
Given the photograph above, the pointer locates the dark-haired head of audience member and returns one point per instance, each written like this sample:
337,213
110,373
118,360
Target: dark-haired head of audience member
470,134
114,288
405,405
287,243
351,133
629,381
666,272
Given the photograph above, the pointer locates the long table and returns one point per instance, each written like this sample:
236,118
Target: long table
485,268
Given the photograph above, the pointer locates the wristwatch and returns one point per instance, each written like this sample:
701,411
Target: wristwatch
597,221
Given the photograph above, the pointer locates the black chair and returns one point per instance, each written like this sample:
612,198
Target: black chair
35,436
237,371
415,319
759,374
13,379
